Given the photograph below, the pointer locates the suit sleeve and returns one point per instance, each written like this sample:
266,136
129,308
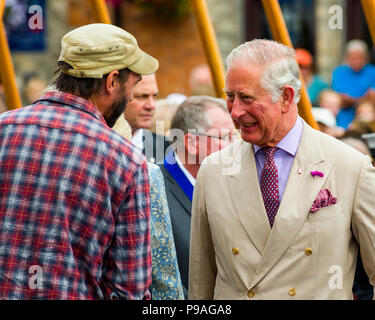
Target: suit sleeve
202,264
363,219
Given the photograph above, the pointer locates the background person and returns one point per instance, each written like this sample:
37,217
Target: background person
139,114
204,126
314,83
3,106
164,111
34,88
364,120
354,80
326,121
166,279
200,81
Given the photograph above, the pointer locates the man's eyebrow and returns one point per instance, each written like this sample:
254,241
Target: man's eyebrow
146,94
240,93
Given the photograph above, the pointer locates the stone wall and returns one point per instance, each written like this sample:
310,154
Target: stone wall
176,44
228,20
329,41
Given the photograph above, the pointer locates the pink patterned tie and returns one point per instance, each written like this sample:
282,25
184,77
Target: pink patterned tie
269,184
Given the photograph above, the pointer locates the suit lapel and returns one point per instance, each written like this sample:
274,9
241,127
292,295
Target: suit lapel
293,212
174,189
248,202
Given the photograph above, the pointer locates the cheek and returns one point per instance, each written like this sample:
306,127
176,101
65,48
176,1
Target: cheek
130,112
213,146
137,109
229,106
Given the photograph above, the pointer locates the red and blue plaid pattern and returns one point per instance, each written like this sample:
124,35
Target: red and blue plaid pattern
74,201
323,199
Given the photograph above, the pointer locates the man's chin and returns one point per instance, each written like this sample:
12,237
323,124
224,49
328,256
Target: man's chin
251,139
145,125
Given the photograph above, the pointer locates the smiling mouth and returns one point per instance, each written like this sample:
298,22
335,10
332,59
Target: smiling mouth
249,125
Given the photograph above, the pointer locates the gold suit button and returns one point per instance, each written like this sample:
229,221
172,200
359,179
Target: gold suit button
292,292
235,251
250,294
308,251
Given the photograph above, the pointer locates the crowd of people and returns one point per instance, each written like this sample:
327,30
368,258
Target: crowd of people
115,194
349,100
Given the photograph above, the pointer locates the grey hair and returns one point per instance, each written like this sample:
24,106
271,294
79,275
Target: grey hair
191,113
278,63
356,44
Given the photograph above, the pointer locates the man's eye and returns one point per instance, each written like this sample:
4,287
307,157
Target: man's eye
230,96
246,98
141,97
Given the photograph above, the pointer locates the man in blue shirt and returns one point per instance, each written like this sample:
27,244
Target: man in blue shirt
353,80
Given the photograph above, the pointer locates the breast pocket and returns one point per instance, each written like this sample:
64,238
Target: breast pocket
326,213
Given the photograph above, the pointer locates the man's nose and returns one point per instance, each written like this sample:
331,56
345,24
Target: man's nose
150,102
237,109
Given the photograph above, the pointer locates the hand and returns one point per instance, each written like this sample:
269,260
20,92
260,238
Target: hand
348,101
370,94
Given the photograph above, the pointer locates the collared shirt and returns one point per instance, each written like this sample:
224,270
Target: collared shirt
284,157
184,170
137,139
74,204
355,84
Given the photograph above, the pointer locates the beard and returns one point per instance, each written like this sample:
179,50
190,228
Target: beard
115,111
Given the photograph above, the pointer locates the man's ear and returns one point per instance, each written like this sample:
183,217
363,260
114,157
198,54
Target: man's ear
287,98
191,144
111,82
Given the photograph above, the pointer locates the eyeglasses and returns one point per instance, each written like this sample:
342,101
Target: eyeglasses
228,137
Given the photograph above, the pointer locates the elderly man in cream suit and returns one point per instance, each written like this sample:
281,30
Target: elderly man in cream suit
286,224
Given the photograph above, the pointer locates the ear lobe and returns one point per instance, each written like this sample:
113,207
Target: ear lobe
191,144
288,97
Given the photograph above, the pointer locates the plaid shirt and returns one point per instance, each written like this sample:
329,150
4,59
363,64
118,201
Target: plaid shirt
74,205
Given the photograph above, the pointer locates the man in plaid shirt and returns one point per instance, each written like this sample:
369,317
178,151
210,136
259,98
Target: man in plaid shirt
74,195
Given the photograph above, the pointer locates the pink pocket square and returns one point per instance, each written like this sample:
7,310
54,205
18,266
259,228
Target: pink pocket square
323,199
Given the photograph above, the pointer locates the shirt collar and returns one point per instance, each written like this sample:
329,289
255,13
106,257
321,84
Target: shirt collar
291,141
72,101
184,170
137,138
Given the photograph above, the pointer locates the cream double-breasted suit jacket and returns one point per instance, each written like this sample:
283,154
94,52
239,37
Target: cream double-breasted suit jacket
235,254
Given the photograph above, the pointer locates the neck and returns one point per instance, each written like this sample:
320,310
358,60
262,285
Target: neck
188,163
290,124
284,130
134,130
97,101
